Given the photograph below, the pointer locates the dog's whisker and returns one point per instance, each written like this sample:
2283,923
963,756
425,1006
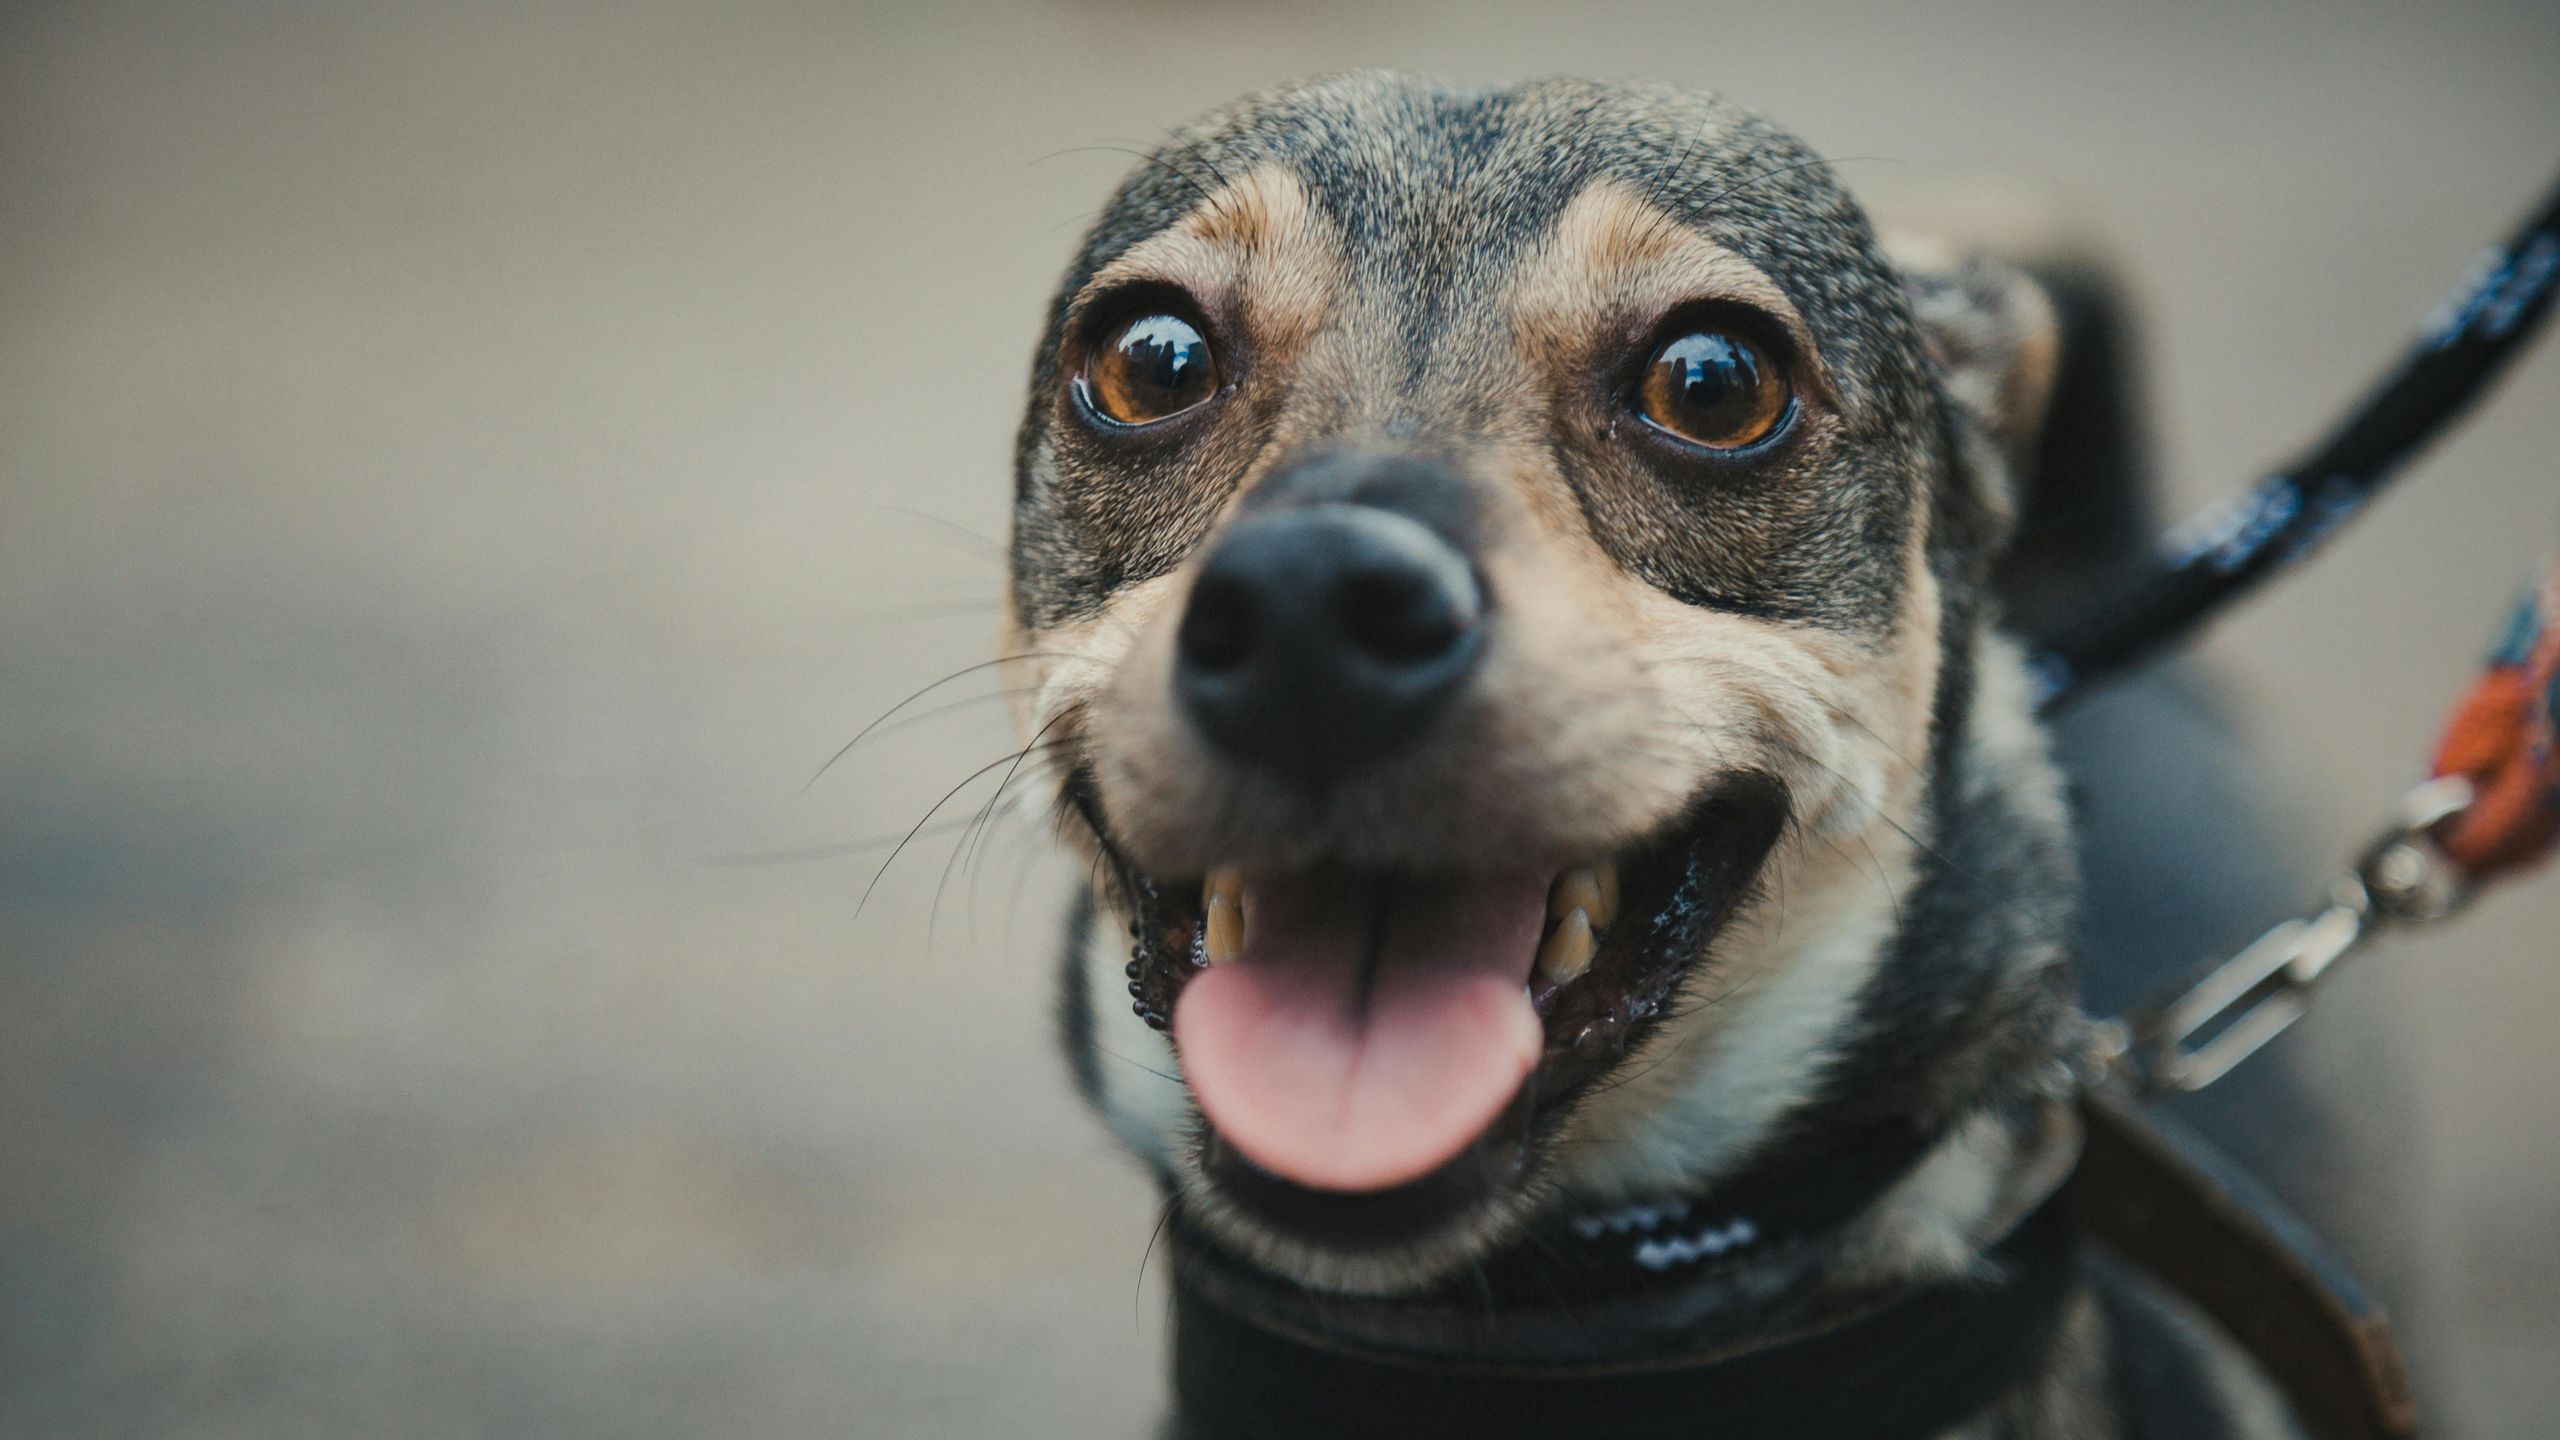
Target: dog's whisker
1881,813
1070,712
1165,1075
909,838
1889,747
1891,894
1674,1045
839,850
1208,161
972,702
1138,1292
1160,158
977,825
962,673
1084,217
986,547
992,834
1656,191
1022,838
1877,807
1800,753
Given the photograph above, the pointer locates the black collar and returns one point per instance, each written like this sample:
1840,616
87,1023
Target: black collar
1537,1341
1647,1251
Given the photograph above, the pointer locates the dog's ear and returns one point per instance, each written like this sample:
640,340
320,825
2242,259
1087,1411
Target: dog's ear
2041,355
1994,337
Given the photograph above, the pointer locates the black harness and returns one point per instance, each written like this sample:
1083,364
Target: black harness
1254,1359
1911,1369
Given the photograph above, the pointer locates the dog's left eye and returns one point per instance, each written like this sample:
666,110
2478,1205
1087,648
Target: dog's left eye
1149,368
1716,390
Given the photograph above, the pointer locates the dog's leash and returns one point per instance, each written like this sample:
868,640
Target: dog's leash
2205,564
2490,809
2492,805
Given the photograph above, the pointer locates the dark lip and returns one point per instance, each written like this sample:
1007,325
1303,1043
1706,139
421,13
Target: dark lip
1681,891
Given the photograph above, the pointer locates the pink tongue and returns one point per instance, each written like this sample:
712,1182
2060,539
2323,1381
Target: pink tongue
1341,1069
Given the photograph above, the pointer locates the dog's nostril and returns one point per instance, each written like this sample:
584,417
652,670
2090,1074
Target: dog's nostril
1317,639
1218,625
1410,614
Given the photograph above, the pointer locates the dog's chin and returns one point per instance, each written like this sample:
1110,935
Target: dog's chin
1341,1188
1399,1240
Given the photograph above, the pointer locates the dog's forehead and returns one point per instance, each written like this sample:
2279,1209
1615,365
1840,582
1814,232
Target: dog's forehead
1428,189
1402,264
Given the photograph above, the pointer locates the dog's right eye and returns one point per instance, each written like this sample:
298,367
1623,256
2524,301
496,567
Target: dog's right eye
1148,368
1715,390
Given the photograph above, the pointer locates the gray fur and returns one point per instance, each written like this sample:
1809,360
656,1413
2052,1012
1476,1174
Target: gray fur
1437,195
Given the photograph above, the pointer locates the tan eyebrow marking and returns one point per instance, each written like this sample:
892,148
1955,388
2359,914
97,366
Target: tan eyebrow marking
1614,254
1257,246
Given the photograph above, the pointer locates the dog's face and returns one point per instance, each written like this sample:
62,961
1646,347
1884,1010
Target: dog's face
1487,558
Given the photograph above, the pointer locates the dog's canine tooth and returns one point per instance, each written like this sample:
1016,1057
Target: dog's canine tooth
1567,952
1592,889
1227,883
1222,926
1573,890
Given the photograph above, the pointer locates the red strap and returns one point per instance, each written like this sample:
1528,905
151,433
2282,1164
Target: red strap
2501,739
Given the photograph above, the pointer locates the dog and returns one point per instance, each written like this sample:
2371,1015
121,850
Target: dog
1519,589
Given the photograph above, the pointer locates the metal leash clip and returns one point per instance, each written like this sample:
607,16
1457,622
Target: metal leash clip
2401,880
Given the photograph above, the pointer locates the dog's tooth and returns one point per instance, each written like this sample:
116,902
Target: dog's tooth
1575,890
1567,952
1225,883
1222,926
1225,934
1591,889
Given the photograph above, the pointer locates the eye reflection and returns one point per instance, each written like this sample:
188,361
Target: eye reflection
1714,389
1150,368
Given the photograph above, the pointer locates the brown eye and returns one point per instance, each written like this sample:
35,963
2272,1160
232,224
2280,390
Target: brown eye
1716,390
1150,368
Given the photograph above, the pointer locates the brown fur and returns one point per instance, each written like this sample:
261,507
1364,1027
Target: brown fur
1396,270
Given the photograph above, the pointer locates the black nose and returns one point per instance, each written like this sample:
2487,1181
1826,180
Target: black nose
1320,639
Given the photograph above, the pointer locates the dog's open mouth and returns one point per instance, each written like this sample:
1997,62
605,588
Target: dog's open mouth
1378,1048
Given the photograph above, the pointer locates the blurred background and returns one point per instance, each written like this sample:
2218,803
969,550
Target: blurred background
463,468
